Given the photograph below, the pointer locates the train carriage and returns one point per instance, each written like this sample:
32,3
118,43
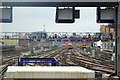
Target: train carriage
70,46
84,46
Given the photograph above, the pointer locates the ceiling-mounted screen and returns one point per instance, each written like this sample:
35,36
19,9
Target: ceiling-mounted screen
5,15
65,15
106,15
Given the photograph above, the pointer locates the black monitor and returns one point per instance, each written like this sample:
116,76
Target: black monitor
6,15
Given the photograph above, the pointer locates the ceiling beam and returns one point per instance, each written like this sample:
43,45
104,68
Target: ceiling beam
60,3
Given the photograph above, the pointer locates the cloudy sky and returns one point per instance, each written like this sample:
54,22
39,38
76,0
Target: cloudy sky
32,19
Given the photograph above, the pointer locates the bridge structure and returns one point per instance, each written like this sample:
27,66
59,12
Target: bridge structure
58,36
47,39
76,3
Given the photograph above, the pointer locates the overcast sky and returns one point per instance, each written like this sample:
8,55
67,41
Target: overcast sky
33,19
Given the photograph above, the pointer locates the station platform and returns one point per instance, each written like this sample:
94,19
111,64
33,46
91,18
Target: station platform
48,72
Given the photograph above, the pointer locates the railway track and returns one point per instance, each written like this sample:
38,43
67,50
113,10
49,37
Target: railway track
100,61
8,59
54,53
66,61
92,63
71,58
74,57
4,68
11,58
44,54
102,54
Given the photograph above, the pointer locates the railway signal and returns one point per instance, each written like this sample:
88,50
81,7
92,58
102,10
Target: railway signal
59,39
74,34
41,36
90,41
55,36
73,41
89,37
45,36
111,36
34,37
65,37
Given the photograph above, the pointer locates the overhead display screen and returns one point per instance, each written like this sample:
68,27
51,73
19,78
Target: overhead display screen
6,15
106,15
65,15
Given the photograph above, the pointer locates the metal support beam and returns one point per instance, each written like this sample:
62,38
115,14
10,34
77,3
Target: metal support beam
32,43
60,3
117,52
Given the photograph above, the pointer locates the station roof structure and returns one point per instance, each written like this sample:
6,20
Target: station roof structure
60,3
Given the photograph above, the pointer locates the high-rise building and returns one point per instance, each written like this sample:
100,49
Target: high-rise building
108,29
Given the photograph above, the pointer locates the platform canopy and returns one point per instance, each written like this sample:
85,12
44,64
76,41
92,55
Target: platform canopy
60,3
